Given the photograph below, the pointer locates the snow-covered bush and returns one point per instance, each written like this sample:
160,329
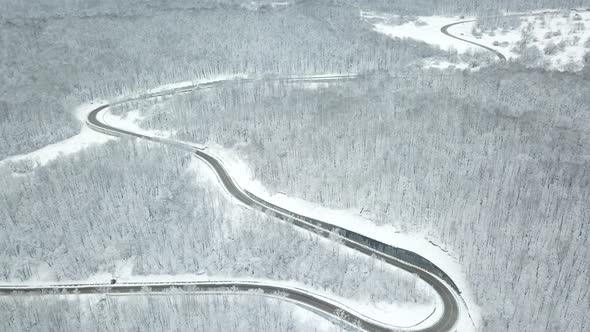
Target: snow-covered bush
550,48
571,66
574,40
548,35
22,166
577,27
542,21
476,32
420,23
531,56
509,22
526,37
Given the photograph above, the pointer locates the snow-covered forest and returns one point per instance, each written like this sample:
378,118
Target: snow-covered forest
58,63
491,164
56,54
479,161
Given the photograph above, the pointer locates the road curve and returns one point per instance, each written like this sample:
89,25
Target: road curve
401,258
445,30
330,309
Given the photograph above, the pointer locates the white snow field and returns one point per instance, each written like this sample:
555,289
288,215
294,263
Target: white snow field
562,37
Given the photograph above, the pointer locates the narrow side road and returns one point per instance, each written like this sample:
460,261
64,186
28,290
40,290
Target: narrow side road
445,30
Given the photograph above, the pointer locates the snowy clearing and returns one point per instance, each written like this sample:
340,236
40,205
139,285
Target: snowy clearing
423,28
130,122
562,37
444,64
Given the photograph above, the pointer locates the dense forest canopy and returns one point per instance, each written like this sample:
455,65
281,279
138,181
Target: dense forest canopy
476,160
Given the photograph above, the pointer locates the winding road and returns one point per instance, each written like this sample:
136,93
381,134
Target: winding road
445,30
407,260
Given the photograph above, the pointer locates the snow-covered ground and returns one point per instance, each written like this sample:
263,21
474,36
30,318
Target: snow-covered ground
562,37
86,138
130,122
445,64
313,86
